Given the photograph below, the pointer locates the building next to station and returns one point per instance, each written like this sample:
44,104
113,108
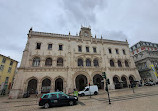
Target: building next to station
145,55
8,67
53,62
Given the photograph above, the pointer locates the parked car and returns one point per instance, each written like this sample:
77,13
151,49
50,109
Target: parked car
57,99
89,90
149,83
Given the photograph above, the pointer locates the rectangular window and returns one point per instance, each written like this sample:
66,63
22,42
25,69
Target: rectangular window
94,49
49,46
110,52
3,60
11,63
1,67
87,49
60,47
9,70
79,49
124,52
38,46
117,52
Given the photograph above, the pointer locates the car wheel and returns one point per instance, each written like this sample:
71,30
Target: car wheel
46,105
82,94
71,103
75,102
95,92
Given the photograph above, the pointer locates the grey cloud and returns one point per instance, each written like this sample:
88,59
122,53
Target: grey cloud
84,10
113,35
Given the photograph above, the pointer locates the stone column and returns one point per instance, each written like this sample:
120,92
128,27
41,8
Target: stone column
39,86
52,87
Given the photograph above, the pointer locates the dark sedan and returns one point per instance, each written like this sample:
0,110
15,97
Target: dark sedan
57,99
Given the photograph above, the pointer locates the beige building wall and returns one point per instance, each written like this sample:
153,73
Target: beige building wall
70,54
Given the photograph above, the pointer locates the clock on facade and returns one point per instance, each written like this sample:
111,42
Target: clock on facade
85,34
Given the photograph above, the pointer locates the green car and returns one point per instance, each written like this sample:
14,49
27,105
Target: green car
57,99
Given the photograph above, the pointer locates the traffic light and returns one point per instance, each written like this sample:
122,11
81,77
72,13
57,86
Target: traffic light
107,81
104,75
89,84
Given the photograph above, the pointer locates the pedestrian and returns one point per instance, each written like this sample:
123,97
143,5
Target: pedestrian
129,85
75,93
36,94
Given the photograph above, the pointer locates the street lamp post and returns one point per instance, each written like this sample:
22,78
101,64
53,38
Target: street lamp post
89,90
107,89
107,83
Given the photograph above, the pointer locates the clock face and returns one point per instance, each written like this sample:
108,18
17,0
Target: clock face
86,34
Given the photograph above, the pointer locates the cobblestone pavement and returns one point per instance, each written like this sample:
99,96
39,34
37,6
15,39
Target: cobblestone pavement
144,99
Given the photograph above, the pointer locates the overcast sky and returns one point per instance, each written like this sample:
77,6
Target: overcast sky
134,20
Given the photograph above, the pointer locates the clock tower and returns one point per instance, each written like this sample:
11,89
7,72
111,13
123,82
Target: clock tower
85,32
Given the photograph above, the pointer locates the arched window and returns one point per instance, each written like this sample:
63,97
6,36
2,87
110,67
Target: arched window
95,62
112,63
80,62
88,62
126,63
48,62
119,63
60,62
36,62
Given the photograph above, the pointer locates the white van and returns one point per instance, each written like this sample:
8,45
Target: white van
89,90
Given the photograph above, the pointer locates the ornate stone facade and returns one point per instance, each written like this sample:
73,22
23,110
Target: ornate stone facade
145,55
63,62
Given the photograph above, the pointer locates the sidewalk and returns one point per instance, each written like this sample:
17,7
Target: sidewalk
144,99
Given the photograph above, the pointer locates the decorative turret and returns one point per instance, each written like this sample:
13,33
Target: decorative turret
30,30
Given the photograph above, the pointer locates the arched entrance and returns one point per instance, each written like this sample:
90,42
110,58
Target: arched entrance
124,81
46,85
81,82
32,86
98,80
59,84
116,82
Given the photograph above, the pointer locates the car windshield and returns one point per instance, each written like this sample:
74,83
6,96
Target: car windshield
87,89
45,96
